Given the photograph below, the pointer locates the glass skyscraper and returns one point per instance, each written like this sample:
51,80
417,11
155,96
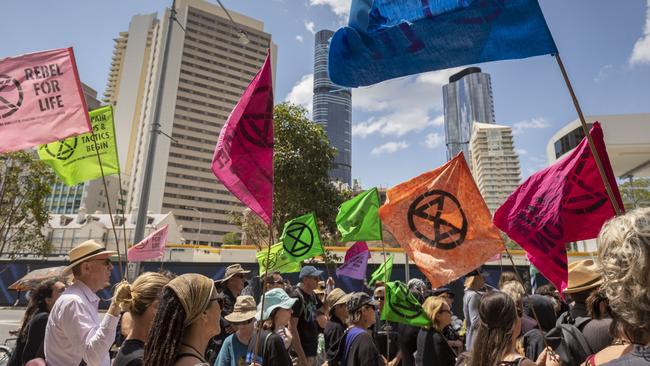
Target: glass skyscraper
333,110
467,99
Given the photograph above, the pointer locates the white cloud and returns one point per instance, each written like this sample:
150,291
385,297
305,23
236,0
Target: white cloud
535,123
603,73
434,140
401,105
300,39
340,7
641,52
310,26
521,151
302,93
389,148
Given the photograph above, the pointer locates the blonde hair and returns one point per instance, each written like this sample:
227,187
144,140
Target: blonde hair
514,289
137,297
624,258
470,282
432,306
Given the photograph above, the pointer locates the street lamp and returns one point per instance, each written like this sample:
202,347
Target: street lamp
200,221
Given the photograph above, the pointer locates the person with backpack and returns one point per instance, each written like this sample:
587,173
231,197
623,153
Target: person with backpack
303,324
270,349
335,327
357,347
624,258
140,299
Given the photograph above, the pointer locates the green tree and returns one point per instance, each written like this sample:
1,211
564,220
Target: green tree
302,162
635,193
25,182
232,239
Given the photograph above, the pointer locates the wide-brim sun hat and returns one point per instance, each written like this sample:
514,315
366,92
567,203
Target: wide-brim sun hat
85,251
232,270
583,275
274,298
244,310
337,297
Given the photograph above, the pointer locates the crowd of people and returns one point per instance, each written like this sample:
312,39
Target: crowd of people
602,318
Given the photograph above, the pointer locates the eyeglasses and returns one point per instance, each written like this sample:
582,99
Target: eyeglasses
107,261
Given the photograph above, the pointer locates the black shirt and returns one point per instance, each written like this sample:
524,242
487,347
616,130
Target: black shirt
31,346
274,352
382,330
363,352
433,349
305,310
408,343
130,354
334,330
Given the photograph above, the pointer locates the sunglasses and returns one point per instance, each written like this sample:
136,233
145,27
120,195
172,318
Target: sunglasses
239,276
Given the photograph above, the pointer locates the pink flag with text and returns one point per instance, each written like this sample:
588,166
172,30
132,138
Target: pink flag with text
151,247
356,261
243,158
41,99
563,203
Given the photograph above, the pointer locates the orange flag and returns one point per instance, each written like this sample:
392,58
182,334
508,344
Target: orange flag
442,222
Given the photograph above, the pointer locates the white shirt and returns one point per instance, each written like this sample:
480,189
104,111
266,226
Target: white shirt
73,331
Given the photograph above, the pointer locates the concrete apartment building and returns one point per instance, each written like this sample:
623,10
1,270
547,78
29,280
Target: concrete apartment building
207,71
495,163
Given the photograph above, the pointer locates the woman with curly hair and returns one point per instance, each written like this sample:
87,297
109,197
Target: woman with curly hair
498,325
29,344
141,302
624,258
187,318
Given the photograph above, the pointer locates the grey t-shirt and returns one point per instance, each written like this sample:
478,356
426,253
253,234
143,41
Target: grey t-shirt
471,301
640,356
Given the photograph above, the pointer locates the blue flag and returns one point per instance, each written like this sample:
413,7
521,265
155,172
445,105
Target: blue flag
386,39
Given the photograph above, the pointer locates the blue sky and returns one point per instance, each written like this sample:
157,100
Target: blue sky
397,125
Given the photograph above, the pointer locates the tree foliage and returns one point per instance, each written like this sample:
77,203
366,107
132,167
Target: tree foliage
635,193
25,183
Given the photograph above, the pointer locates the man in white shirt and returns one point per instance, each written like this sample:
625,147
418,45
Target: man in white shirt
74,334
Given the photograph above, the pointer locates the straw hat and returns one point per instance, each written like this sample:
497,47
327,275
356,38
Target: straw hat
85,251
245,309
337,297
583,275
232,270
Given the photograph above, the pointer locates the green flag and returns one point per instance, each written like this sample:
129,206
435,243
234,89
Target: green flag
300,238
75,159
402,307
358,218
383,272
278,261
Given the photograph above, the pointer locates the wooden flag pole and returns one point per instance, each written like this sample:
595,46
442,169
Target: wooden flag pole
266,271
108,204
592,147
126,244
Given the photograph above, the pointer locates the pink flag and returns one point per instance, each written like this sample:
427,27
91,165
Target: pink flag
243,158
356,261
151,247
565,202
41,99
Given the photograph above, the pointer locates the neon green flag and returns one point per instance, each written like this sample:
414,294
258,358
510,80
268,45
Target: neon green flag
278,261
383,272
358,218
300,238
75,159
402,307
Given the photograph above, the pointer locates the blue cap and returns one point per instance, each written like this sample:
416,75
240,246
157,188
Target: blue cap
274,298
310,271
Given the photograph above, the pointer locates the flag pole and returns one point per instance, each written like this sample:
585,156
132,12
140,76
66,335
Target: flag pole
266,271
108,204
126,244
592,147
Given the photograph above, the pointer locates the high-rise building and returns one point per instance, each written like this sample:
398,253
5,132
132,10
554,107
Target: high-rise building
210,64
333,110
467,99
89,195
495,163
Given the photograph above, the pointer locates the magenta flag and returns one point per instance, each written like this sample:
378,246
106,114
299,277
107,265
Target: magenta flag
243,158
356,261
565,202
151,247
41,99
